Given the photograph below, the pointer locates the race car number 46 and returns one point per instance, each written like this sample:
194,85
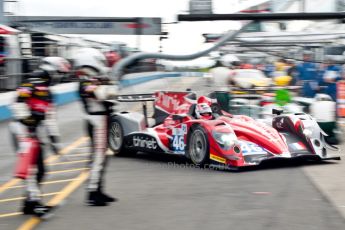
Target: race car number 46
250,148
178,145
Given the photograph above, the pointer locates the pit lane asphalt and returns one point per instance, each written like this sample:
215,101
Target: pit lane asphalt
163,192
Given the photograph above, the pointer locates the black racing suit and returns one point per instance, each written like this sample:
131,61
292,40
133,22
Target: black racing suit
40,109
97,119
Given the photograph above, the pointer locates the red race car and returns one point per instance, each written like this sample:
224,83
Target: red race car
200,130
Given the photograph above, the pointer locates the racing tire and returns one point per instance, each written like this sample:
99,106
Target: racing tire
198,146
116,139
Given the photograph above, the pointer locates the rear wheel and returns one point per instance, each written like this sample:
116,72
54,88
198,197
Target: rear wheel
198,146
116,139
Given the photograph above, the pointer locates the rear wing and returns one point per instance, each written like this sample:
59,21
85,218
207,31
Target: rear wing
165,102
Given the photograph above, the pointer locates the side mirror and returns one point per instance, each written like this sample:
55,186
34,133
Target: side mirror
277,111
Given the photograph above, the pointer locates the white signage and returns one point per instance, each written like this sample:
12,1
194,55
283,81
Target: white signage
200,6
141,26
320,5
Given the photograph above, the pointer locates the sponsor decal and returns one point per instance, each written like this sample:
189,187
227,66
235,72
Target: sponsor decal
298,146
90,88
167,101
27,84
178,140
249,148
24,92
41,93
217,158
42,88
144,142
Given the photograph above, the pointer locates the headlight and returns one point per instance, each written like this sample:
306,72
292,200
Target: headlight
225,140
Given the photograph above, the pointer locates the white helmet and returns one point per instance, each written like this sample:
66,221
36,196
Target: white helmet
322,97
91,58
203,110
55,64
229,60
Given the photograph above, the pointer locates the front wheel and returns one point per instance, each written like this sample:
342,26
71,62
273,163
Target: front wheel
198,146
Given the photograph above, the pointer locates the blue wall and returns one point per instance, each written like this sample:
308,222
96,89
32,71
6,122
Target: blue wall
138,80
5,112
68,97
65,98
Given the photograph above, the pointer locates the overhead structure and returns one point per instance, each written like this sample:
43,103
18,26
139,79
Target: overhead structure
262,16
230,36
89,25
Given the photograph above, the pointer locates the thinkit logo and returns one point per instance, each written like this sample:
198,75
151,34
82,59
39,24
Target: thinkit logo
144,142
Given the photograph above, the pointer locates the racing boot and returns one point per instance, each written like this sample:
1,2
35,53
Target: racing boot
96,199
106,197
37,209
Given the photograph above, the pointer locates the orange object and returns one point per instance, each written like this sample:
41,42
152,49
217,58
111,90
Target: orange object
26,157
341,99
247,66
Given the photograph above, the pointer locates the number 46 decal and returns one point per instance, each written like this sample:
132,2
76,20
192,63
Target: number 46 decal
178,143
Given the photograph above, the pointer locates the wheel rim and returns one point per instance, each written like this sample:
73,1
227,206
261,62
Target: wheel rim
115,136
198,146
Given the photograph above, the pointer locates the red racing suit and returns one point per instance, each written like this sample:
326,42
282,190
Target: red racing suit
33,107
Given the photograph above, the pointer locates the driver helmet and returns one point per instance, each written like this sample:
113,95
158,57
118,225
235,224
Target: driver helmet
91,64
55,64
90,74
203,111
322,97
52,69
92,58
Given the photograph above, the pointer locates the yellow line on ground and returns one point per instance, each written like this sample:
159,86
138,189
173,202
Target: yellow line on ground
82,148
22,198
34,221
9,184
67,170
46,182
77,154
75,144
50,159
68,162
67,149
10,214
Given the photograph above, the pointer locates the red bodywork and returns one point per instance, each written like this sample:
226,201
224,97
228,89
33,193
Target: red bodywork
249,132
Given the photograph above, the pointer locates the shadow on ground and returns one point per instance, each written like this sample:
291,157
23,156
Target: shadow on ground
172,161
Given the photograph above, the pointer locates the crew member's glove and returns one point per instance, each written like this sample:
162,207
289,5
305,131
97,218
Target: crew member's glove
55,144
104,92
56,147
